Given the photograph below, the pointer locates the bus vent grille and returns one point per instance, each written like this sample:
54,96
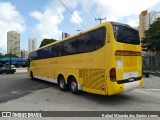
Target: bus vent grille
80,73
93,78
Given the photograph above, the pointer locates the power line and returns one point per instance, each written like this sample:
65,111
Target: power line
72,13
101,8
100,3
93,9
88,9
3,45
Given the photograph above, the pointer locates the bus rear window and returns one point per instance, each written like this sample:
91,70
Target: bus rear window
126,34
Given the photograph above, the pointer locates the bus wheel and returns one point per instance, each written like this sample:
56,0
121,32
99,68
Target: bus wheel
31,74
62,84
74,86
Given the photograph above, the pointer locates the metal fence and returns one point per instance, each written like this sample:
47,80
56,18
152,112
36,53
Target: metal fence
151,62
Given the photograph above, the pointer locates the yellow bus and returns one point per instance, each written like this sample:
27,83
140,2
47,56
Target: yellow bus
105,59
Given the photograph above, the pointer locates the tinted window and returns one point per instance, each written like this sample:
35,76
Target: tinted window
57,50
126,34
40,54
84,43
92,40
46,52
50,52
33,55
69,47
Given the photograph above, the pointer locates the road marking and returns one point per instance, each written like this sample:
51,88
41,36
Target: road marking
15,92
151,90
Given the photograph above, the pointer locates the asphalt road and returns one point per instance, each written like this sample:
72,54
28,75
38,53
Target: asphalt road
13,86
18,92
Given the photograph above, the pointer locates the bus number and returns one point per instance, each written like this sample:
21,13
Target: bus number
108,38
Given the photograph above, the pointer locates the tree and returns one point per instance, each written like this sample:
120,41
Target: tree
1,55
12,55
46,41
8,55
151,41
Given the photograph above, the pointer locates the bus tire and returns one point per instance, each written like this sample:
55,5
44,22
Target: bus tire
31,75
74,86
62,84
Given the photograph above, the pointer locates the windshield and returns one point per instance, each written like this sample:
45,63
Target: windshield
125,34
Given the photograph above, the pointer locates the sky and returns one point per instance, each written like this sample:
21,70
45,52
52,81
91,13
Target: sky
41,19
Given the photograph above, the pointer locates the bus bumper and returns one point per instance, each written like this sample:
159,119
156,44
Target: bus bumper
131,86
115,88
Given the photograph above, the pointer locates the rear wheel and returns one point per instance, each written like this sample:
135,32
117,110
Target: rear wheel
62,84
74,86
31,75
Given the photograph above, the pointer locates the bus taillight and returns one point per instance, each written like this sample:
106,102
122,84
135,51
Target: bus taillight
113,74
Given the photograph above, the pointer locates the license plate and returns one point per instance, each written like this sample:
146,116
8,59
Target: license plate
131,79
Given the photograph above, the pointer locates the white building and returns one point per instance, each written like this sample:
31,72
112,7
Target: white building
145,19
24,54
150,18
65,35
13,43
32,44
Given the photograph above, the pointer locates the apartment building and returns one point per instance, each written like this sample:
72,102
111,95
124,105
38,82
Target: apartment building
145,19
24,54
13,43
32,44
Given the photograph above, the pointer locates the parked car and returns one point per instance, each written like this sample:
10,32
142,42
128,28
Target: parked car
145,73
1,70
6,69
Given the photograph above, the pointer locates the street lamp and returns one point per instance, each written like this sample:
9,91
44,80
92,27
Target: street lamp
79,30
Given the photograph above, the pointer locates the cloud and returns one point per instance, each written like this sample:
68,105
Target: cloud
114,10
133,23
117,10
125,8
69,3
76,18
10,19
48,21
51,18
53,14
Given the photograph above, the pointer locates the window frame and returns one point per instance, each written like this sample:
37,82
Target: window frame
137,42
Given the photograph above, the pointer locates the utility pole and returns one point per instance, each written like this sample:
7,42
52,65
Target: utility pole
100,19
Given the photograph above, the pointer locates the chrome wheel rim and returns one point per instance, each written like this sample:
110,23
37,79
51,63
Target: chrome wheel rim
73,86
61,83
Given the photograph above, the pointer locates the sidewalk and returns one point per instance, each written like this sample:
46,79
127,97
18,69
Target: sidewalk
20,70
156,73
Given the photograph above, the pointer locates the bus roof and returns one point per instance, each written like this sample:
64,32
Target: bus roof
95,27
126,25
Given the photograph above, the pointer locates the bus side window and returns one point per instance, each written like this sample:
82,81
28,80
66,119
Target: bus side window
100,37
82,44
53,51
50,51
57,50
